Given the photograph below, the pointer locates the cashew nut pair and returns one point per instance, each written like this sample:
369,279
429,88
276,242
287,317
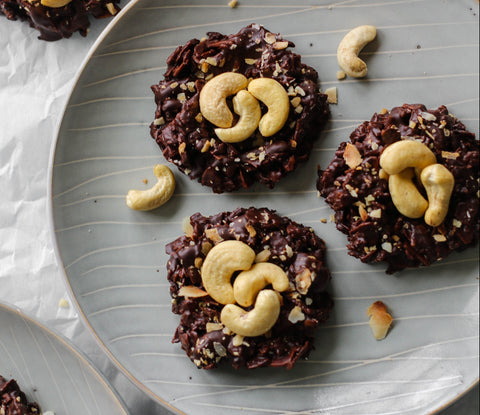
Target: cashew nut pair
221,262
402,161
349,48
156,196
213,106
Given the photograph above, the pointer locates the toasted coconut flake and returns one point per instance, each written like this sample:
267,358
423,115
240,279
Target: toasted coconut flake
270,38
450,155
363,213
213,235
213,326
191,291
380,320
439,237
280,45
303,281
251,230
352,156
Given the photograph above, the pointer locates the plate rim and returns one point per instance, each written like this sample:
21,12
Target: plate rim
11,308
51,225
50,208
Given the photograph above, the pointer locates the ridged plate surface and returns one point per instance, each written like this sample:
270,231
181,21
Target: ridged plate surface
426,52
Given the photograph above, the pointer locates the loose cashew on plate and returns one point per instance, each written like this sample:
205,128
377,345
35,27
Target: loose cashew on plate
349,48
156,196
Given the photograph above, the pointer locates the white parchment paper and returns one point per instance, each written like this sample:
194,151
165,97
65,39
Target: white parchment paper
35,81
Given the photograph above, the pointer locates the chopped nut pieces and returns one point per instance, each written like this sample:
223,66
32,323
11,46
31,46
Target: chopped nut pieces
332,95
380,320
239,334
232,3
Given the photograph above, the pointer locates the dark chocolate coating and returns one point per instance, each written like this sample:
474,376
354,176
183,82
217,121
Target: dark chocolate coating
411,242
60,22
187,141
293,247
13,401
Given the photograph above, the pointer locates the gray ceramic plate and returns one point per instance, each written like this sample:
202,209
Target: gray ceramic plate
426,51
50,371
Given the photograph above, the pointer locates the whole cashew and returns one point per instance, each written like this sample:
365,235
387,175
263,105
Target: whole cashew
349,48
156,196
55,3
274,96
438,183
248,108
406,153
249,283
258,320
220,263
213,104
405,195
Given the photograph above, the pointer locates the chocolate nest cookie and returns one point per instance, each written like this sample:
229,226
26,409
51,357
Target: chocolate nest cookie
292,250
361,193
57,19
13,401
188,140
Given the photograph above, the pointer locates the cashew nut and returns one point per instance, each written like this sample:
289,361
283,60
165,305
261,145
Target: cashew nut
220,263
155,196
405,195
248,108
213,104
349,48
438,182
258,320
55,3
274,96
406,153
249,283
